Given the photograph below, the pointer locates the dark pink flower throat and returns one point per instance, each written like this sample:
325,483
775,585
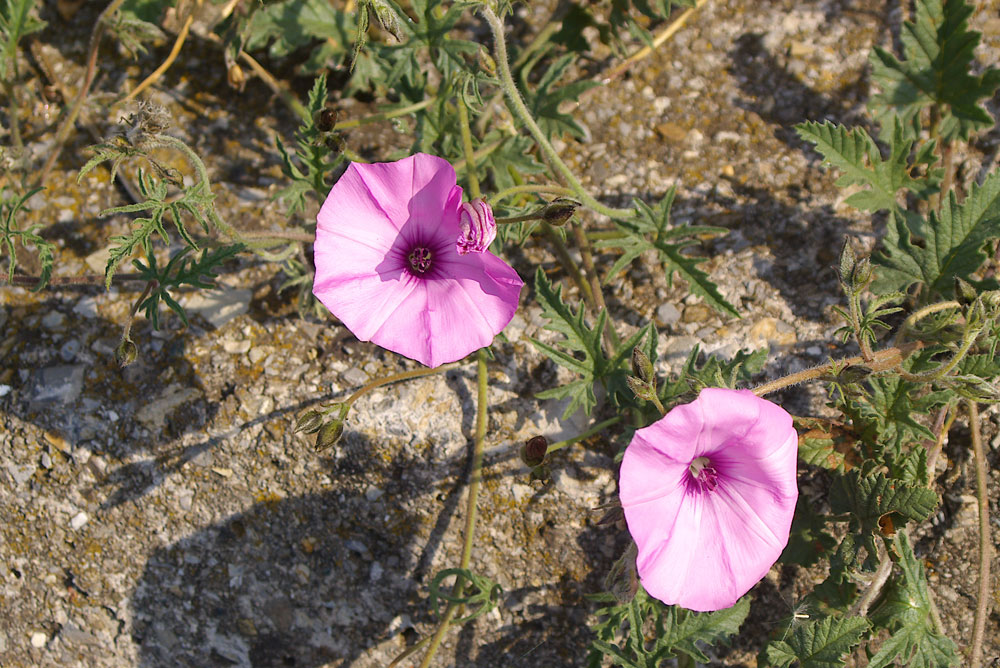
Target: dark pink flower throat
704,474
420,260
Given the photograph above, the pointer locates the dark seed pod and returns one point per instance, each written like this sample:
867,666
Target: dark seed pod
533,452
559,211
309,422
326,119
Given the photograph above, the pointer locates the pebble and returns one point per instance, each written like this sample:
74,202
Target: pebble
354,377
375,574
86,307
53,320
20,474
69,350
154,414
373,493
38,639
236,347
79,520
46,461
5,390
696,313
667,314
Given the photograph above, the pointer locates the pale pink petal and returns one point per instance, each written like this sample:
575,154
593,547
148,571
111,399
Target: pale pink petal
702,547
479,227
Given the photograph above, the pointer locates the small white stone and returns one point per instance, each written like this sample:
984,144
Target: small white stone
38,639
79,520
373,493
5,390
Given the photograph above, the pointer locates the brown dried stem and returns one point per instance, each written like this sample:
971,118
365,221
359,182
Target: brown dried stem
983,594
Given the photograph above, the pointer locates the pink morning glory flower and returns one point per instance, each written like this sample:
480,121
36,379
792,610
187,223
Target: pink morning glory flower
388,265
708,493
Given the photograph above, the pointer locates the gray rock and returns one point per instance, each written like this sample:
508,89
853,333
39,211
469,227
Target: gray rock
667,314
58,384
219,306
69,350
86,307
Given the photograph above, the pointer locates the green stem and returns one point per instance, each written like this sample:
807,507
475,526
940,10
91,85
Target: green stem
62,134
596,429
611,339
521,110
566,260
483,151
470,154
396,377
475,482
983,595
598,235
530,188
384,115
14,109
135,309
920,314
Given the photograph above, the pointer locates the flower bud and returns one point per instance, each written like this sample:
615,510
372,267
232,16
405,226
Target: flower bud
329,434
847,262
964,293
559,211
640,388
533,451
235,77
479,228
309,422
125,353
388,19
334,142
325,119
486,62
863,274
641,366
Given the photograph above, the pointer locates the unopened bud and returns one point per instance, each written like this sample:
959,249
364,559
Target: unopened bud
329,434
559,211
486,62
309,422
640,388
334,142
388,19
641,366
325,119
964,293
125,353
533,452
235,77
479,227
847,261
863,274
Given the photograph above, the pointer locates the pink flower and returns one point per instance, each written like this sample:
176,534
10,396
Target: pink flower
708,493
388,267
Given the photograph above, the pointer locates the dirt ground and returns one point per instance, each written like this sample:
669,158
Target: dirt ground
165,515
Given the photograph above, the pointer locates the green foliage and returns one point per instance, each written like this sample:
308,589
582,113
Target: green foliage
180,271
675,631
870,496
650,230
484,596
935,71
581,349
808,539
906,611
284,27
855,153
950,243
545,98
11,234
818,644
309,168
18,18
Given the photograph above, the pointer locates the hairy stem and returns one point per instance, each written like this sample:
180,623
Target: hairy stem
475,482
596,429
874,588
881,361
522,112
62,134
983,593
530,188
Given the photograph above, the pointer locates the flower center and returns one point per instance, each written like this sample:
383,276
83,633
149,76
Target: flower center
704,473
420,259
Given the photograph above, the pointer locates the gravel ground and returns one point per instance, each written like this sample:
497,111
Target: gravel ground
166,515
